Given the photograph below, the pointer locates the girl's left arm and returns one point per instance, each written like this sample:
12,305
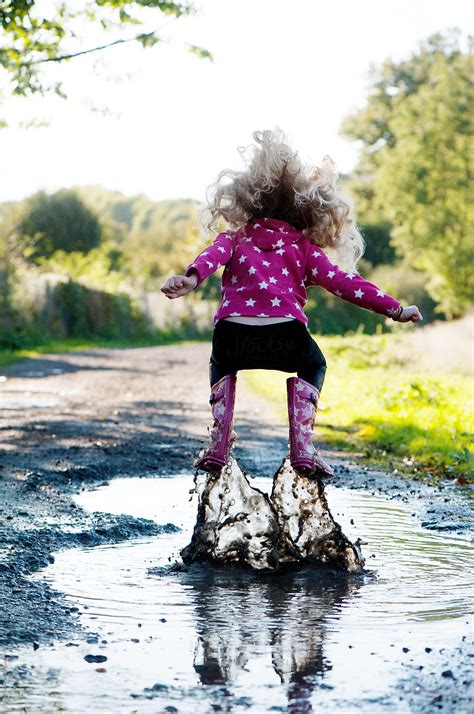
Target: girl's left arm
348,286
212,257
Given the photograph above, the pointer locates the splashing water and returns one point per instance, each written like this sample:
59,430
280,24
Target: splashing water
237,523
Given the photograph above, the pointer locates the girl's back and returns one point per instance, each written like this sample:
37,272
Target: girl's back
268,266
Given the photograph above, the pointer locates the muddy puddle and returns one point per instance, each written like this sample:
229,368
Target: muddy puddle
225,640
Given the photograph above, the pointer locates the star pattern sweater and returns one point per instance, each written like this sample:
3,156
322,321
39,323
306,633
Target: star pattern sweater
268,267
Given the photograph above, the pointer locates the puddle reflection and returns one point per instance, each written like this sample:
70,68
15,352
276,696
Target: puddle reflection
240,619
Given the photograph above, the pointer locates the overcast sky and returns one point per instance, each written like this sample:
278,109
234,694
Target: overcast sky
172,121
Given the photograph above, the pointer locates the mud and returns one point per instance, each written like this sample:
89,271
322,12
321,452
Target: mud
74,422
239,524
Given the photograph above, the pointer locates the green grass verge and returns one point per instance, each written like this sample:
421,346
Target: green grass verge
418,423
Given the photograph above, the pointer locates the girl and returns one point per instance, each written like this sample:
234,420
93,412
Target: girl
282,215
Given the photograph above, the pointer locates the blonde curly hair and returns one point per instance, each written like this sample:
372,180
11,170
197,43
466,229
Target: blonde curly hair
276,184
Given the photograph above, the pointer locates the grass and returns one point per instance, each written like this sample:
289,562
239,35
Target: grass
414,421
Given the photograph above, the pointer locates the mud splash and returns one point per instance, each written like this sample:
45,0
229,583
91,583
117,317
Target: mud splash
238,523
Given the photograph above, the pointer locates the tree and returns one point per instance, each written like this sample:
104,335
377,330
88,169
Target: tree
60,221
31,39
415,166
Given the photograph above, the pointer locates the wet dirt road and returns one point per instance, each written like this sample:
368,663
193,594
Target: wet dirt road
70,424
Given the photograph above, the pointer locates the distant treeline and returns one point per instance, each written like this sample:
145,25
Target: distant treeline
76,262
413,204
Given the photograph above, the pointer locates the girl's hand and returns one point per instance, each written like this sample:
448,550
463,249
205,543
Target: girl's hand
179,285
410,314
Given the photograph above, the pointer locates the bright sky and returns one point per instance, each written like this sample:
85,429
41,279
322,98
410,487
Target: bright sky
174,121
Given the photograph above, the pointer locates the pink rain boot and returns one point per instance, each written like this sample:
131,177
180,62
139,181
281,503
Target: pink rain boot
222,402
302,404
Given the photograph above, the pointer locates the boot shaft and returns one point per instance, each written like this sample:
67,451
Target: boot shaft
222,401
303,399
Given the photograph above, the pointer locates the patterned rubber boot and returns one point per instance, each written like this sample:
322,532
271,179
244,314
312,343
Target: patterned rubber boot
302,404
222,436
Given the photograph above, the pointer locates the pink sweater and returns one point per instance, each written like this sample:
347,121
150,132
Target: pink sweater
269,265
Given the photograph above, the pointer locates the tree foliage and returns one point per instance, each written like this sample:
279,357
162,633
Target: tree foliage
415,167
154,238
57,222
32,38
378,250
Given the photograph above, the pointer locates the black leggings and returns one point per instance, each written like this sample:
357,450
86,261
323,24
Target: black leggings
285,346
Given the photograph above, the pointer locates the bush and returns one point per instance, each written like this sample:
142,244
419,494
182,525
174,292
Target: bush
81,312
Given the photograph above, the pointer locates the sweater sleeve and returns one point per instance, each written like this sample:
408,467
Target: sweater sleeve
348,286
212,257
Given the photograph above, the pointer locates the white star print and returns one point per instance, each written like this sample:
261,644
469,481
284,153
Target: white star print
235,314
338,293
225,303
265,263
257,249
314,271
242,259
302,283
290,290
257,225
331,273
240,289
211,265
221,248
263,285
284,271
272,280
297,305
250,302
276,302
358,293
298,264
251,270
279,244
233,279
350,275
288,315
280,251
262,314
316,254
380,293
295,245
